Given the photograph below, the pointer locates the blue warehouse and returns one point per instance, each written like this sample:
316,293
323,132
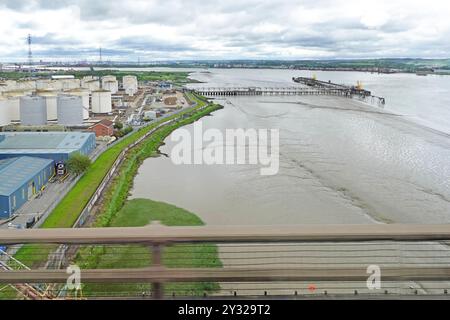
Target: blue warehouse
21,179
57,146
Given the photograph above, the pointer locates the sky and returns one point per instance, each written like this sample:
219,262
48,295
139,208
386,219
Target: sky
153,30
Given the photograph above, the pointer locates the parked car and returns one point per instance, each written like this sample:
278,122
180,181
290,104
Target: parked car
30,223
14,226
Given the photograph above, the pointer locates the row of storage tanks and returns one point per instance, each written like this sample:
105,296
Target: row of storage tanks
69,104
36,108
91,83
110,83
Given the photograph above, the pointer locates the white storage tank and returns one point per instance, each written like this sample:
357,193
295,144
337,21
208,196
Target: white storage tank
43,84
91,85
130,85
50,97
55,85
33,111
26,85
101,101
84,94
68,84
70,110
13,103
9,85
4,112
111,85
108,78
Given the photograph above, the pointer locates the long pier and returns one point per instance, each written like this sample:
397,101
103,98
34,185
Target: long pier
269,91
352,91
311,87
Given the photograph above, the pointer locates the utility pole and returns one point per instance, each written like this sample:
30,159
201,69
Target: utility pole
101,58
30,54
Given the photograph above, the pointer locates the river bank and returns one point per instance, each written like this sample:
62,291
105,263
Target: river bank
33,255
116,211
341,162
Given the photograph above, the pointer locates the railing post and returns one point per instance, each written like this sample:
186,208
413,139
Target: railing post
157,287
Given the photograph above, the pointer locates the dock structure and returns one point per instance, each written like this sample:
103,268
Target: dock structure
311,87
352,91
268,91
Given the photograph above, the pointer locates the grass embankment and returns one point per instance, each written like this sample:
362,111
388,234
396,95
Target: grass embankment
139,212
117,211
69,209
66,213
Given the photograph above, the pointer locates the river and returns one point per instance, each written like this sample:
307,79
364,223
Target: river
340,161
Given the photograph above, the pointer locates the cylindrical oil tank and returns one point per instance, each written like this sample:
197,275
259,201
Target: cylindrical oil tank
10,85
130,84
70,110
91,85
43,84
51,103
68,84
13,103
111,85
26,85
4,112
84,94
14,108
101,101
108,78
33,111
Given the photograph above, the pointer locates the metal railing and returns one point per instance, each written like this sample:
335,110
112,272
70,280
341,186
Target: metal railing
407,254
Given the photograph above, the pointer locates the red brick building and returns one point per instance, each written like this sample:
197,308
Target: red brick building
103,128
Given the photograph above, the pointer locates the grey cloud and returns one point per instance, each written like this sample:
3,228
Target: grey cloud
231,25
151,45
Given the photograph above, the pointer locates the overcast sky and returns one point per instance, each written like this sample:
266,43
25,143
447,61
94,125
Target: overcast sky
225,29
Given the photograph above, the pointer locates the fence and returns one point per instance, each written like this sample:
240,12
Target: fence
249,261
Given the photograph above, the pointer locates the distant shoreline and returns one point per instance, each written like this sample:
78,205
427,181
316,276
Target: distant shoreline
188,68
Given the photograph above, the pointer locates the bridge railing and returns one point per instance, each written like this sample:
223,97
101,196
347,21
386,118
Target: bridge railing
249,260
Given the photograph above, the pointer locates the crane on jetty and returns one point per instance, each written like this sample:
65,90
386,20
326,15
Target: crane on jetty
351,91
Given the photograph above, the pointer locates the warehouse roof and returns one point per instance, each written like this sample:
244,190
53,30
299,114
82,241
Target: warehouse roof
42,142
16,172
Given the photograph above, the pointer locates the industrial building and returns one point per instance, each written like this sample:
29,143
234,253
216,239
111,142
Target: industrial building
22,178
57,146
104,128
